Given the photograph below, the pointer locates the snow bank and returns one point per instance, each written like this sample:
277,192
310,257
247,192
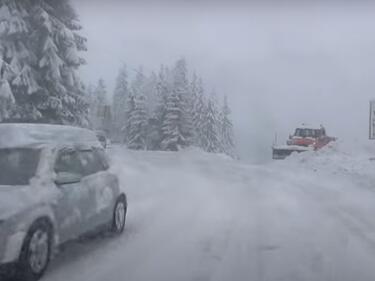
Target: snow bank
338,158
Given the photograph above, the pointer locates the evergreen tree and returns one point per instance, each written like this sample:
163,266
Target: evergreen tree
163,89
199,114
120,97
166,112
6,100
98,107
177,124
150,92
39,47
173,139
226,129
137,130
130,106
181,89
138,84
136,114
211,139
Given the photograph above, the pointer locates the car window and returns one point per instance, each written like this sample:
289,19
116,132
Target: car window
103,158
68,161
101,138
91,162
18,165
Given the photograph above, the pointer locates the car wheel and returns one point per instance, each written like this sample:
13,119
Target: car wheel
119,215
36,252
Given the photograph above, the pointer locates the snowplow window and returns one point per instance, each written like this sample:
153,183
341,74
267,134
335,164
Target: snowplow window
318,133
308,133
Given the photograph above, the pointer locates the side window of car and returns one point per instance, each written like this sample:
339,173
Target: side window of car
103,158
68,162
91,162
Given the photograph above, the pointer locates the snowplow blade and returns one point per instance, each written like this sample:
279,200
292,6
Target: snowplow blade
282,152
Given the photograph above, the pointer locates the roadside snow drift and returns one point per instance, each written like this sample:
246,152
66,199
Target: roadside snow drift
200,217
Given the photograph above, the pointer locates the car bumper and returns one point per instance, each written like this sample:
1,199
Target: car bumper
7,270
10,244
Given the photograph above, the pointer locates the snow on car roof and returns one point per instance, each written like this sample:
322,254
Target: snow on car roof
16,135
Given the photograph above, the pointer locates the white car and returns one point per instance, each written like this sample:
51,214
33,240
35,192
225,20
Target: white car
55,185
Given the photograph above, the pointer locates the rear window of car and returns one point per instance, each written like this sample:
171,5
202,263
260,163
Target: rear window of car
18,165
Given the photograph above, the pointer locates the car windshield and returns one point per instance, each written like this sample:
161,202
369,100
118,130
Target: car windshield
18,165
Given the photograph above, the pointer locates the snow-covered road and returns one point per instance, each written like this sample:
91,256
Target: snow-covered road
200,217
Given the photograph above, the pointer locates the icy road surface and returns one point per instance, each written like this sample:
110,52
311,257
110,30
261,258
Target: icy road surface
201,217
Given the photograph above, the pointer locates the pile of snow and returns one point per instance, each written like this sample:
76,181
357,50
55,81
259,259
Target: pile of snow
337,158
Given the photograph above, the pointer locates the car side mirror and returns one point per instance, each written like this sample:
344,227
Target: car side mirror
67,178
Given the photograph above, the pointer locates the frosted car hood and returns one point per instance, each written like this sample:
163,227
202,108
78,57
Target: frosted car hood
14,199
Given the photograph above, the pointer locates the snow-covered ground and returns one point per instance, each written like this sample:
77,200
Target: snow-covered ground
200,217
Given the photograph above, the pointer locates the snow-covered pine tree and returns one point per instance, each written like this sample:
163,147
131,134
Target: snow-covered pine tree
139,82
211,140
16,57
226,129
163,89
182,89
120,97
130,106
6,100
39,40
136,115
173,139
177,123
193,89
98,106
150,93
199,114
137,128
90,97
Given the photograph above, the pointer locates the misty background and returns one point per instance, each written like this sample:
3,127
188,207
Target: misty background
280,64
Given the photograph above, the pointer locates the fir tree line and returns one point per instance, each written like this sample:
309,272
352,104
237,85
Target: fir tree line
165,111
39,57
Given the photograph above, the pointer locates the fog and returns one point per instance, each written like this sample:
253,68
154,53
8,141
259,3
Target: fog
280,64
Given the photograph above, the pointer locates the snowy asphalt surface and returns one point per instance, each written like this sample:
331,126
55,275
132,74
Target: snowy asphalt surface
204,217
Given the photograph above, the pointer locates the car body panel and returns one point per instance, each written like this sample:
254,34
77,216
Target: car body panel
72,209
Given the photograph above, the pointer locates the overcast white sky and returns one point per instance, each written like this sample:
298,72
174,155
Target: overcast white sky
280,64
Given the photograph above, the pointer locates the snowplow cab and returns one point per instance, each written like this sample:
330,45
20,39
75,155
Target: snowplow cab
304,138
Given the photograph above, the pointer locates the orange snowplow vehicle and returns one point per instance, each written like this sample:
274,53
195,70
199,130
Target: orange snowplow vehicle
305,138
